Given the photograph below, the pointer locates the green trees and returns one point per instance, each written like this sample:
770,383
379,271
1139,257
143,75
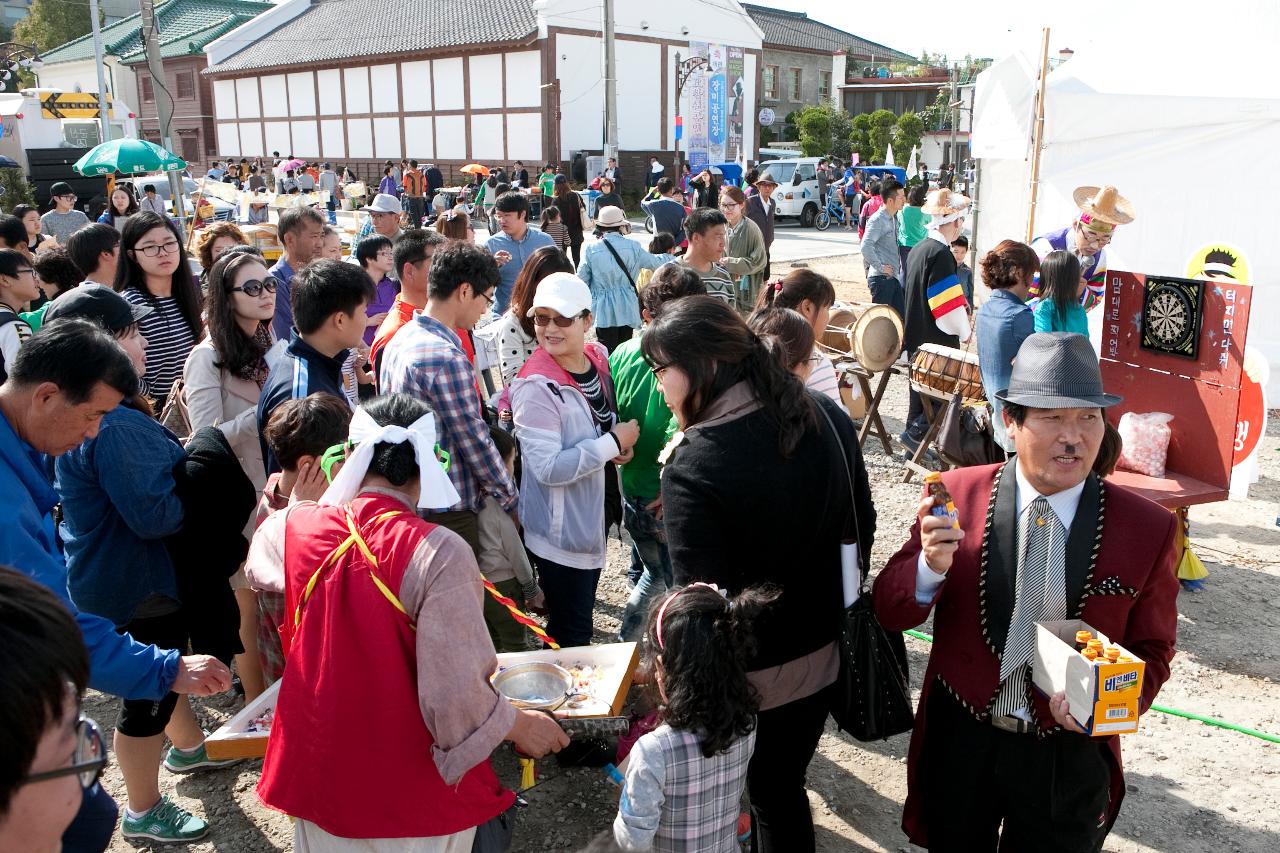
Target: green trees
881,132
860,137
51,23
907,133
814,124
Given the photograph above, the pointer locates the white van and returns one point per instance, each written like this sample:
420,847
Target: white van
797,192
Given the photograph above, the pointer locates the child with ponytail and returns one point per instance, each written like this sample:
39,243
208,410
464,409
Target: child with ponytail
811,295
684,779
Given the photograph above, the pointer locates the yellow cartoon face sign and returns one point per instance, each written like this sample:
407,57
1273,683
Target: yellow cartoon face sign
1219,261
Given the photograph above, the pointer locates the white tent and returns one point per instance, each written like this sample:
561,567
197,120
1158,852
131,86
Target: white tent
1192,143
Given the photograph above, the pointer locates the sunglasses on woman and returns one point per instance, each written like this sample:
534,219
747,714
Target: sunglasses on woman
87,759
255,287
562,322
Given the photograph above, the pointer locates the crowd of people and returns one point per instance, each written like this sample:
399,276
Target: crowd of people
282,472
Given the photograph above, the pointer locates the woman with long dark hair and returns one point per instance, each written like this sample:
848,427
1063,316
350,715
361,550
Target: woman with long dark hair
224,376
1061,285
573,214
120,207
514,330
30,216
754,489
154,271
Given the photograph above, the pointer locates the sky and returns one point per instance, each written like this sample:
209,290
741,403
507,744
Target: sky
988,28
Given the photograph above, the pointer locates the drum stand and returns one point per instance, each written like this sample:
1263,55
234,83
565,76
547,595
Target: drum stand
935,405
871,422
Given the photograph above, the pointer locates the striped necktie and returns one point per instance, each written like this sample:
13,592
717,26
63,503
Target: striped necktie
1040,596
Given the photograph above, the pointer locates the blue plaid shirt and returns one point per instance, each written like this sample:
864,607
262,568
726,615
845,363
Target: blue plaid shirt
425,359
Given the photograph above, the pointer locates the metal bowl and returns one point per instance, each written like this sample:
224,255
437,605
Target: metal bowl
536,685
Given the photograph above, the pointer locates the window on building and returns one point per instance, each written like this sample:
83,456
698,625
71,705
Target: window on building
186,84
771,82
144,86
824,84
795,85
190,144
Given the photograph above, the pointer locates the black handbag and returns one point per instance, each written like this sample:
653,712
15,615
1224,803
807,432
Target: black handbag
870,699
966,436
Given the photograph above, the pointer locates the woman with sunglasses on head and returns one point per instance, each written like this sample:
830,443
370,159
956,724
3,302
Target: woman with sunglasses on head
745,253
153,272
50,755
755,491
223,380
566,420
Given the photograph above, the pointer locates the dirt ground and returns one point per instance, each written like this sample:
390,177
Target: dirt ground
1191,787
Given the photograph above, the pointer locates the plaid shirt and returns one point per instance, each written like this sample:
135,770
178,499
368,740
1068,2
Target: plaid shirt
676,801
426,360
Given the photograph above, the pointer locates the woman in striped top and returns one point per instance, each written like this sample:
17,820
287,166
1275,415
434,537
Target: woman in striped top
811,295
154,271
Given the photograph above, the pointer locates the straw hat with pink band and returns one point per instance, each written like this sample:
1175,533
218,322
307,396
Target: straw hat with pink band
1102,208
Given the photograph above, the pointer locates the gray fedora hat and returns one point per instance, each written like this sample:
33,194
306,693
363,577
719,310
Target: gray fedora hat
1056,370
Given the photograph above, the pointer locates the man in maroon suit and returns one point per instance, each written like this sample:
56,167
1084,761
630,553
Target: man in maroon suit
994,764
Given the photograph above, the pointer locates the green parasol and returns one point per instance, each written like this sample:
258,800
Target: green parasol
128,157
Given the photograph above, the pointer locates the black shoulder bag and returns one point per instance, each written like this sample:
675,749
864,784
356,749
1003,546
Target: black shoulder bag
625,271
870,699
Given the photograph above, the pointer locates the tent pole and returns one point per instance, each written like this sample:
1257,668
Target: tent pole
1039,136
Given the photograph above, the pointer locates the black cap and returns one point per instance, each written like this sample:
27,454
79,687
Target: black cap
61,188
99,303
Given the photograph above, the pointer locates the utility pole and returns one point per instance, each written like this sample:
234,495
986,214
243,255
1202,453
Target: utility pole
164,101
104,116
1038,138
610,86
955,119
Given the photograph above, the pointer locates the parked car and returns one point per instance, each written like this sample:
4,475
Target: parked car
223,210
797,193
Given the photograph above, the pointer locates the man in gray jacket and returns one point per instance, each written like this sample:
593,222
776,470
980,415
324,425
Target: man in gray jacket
880,249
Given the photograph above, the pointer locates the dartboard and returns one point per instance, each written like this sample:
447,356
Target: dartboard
1171,316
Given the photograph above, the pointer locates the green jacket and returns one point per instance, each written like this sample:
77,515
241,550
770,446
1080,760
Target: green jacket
639,398
746,256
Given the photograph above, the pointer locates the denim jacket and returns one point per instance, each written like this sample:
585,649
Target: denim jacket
613,295
1001,324
118,504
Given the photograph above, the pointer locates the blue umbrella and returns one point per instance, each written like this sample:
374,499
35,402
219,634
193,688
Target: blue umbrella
8,163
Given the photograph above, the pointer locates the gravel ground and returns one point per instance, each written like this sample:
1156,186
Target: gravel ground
1191,787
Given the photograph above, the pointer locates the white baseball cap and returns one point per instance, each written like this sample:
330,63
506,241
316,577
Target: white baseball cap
564,293
384,203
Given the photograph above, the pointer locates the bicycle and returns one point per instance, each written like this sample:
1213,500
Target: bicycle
835,209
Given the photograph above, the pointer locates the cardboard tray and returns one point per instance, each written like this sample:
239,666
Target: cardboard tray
232,740
1102,697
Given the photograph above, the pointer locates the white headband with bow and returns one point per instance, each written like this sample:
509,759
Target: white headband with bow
437,492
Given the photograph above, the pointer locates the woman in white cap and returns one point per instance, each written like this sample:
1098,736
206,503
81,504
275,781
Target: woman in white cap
610,267
566,421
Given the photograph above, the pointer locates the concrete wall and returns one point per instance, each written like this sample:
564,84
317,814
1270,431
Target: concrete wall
82,76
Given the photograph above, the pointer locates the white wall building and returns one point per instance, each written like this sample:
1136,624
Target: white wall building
486,81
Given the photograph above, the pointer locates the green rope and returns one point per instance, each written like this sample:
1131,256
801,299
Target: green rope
1188,715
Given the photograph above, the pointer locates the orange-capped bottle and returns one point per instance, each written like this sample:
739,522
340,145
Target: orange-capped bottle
1090,655
943,506
1082,640
1124,659
1112,654
1096,645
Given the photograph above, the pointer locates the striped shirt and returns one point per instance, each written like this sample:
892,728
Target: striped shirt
169,341
718,281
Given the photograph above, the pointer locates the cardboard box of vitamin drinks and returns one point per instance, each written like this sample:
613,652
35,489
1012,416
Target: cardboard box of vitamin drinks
1103,695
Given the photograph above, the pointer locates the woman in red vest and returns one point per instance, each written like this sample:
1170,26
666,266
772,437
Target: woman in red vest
386,718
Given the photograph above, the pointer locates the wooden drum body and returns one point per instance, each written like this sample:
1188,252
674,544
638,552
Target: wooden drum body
948,370
872,334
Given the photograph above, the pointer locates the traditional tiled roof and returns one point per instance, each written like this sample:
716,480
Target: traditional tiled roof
783,29
334,30
186,26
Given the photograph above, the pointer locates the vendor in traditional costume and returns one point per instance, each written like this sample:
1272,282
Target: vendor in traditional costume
1101,210
937,311
386,719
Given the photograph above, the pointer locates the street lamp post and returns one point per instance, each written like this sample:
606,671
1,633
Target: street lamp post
15,56
684,70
